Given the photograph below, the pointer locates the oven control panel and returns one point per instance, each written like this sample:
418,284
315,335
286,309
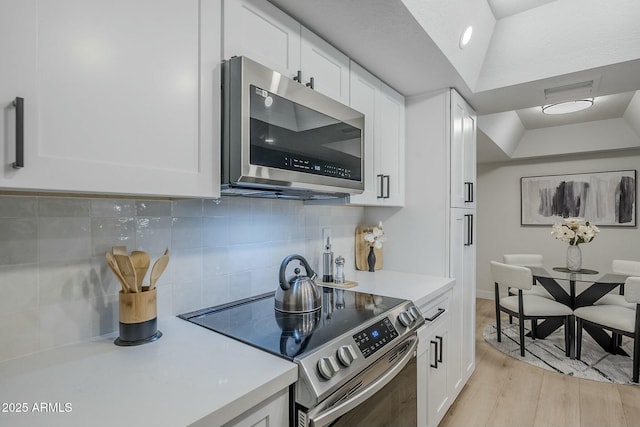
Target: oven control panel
375,337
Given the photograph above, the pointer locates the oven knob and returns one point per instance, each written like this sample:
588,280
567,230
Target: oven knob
328,367
415,312
406,319
346,355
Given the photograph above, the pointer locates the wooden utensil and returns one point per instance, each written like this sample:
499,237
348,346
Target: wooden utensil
119,250
111,262
157,270
128,271
141,263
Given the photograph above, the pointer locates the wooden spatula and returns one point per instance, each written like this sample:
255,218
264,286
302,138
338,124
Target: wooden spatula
119,250
128,271
111,262
141,263
157,270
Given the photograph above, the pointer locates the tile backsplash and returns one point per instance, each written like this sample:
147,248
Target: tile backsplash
55,287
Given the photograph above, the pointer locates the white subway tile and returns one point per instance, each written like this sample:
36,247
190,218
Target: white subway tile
18,241
18,288
109,232
18,207
186,233
113,208
63,207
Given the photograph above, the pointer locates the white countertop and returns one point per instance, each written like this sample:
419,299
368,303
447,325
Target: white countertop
188,374
415,287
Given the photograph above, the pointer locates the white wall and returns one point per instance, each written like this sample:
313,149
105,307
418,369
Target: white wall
417,239
499,230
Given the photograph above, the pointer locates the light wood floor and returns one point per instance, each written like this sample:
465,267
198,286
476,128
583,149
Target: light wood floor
506,392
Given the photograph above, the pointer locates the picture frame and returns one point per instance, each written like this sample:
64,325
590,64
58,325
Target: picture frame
608,199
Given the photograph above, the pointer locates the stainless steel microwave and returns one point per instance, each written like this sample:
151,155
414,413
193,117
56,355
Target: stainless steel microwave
283,139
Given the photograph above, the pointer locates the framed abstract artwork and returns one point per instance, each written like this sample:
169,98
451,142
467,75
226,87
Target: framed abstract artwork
604,198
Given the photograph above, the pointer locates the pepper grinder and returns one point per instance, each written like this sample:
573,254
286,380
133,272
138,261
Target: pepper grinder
339,279
327,262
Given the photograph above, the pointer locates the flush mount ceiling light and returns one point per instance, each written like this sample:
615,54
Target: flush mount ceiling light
466,36
567,107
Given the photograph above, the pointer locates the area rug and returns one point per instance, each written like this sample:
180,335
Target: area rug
595,364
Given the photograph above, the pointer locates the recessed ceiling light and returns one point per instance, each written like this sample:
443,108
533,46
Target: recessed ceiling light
567,107
466,36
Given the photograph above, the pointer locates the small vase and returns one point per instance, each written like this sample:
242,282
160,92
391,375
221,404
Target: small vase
371,259
574,258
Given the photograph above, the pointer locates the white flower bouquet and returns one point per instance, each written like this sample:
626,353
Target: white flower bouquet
575,231
375,237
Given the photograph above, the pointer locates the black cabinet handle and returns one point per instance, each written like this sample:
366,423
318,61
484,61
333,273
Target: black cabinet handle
440,312
298,77
469,239
439,349
469,195
435,355
19,105
310,83
381,186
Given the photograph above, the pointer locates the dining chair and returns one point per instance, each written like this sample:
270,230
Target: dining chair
526,307
617,319
621,266
527,260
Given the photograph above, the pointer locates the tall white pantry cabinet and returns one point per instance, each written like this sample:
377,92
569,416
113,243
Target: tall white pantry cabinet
434,233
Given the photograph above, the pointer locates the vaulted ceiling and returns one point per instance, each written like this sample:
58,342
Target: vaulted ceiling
523,54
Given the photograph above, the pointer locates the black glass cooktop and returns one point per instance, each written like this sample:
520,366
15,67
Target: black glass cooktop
255,321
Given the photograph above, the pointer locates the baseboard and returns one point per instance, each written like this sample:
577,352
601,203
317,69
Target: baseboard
485,294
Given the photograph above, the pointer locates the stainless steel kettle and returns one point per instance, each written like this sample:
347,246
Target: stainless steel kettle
300,294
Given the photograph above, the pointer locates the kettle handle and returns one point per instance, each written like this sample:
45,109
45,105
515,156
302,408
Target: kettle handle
283,281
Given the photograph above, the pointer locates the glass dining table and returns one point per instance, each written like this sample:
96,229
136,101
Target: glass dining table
596,284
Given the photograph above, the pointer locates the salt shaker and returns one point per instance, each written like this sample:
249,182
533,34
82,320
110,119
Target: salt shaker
339,277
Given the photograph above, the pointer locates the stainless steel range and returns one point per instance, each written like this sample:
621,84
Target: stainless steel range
347,352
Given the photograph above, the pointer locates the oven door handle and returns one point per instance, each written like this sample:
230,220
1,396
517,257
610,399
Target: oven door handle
330,415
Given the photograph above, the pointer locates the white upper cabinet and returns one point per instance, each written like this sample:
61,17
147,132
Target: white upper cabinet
363,96
463,153
262,32
324,68
259,30
384,139
119,97
389,145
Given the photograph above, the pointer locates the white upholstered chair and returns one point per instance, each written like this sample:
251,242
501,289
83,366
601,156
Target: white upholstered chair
527,260
526,307
617,319
621,266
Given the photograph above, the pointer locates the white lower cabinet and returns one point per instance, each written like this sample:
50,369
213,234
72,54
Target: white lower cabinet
463,268
273,412
436,349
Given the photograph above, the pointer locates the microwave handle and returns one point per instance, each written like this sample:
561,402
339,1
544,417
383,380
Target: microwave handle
325,418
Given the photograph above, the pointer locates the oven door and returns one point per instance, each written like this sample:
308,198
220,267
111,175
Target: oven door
384,394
